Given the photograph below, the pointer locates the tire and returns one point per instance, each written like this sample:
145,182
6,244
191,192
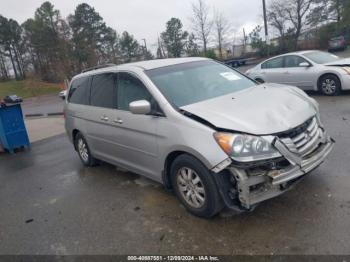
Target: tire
329,85
188,173
83,151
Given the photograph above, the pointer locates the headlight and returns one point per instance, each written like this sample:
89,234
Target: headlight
246,148
346,69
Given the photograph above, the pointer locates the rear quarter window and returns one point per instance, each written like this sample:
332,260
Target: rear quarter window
79,92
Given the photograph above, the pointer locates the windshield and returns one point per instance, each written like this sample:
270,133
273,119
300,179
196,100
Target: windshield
321,57
188,83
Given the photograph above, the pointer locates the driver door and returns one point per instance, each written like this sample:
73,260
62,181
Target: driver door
297,74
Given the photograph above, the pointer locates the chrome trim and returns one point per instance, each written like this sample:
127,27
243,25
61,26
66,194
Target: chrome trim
306,165
307,141
293,158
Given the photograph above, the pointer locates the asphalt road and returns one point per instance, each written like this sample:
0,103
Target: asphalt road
51,204
46,104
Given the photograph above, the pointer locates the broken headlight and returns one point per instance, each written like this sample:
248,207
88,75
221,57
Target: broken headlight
246,148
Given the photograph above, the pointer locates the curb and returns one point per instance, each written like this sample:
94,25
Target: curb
43,115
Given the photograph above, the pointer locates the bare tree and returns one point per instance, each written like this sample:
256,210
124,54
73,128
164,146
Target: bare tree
221,26
276,16
201,22
296,13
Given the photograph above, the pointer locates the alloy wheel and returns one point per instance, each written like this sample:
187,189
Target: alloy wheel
83,151
329,86
191,187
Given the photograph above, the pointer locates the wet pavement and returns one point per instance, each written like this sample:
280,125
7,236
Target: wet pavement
51,204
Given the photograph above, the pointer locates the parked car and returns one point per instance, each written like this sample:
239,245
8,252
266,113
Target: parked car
337,44
204,130
308,70
63,94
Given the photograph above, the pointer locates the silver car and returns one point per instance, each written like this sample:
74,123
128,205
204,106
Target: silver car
205,131
308,70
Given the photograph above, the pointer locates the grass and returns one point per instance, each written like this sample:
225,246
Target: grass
28,88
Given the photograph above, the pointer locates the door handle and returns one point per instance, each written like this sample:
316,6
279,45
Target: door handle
118,121
104,118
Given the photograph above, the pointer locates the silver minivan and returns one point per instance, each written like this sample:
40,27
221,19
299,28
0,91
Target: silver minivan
207,132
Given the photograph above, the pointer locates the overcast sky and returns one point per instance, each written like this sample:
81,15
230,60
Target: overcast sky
144,18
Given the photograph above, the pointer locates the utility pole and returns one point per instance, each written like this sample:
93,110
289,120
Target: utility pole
267,39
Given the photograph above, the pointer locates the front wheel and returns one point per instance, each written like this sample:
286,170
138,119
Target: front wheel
195,187
329,85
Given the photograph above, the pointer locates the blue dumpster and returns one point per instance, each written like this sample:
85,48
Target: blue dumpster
13,133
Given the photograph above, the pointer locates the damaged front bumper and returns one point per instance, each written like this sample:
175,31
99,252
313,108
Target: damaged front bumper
250,186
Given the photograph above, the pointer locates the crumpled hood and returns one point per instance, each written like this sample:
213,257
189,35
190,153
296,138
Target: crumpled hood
340,62
261,110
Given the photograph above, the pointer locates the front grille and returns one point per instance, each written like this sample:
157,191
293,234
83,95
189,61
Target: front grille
303,139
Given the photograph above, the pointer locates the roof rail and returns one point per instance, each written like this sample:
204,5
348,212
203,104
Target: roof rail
97,67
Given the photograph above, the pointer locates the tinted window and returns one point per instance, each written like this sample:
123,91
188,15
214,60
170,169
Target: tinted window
273,63
103,90
130,89
188,83
293,61
79,92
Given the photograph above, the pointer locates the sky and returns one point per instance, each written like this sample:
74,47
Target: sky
146,18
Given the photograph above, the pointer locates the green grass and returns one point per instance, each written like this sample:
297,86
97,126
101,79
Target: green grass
28,88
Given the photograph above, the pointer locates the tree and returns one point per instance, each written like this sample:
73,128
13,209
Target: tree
201,23
257,42
160,49
47,43
174,37
3,68
277,18
222,27
346,12
88,35
129,47
49,17
110,48
56,48
192,49
296,13
329,11
10,41
255,37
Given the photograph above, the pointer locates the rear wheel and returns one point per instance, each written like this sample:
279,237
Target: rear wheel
329,85
195,187
84,151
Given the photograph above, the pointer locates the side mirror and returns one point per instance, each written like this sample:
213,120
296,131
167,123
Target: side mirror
304,64
140,107
63,94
